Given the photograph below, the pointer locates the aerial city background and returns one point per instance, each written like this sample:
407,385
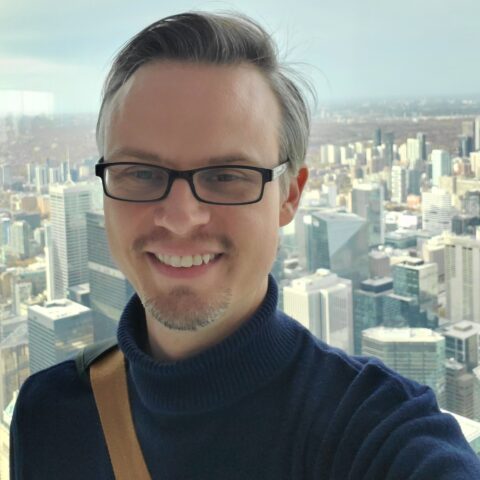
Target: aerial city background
383,257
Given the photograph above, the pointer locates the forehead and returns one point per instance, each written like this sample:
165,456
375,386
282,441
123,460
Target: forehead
183,111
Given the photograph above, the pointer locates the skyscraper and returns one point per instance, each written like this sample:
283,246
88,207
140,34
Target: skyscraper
388,140
472,203
441,165
477,134
322,302
367,202
462,278
422,146
437,211
416,353
368,307
462,342
413,153
56,331
337,241
20,236
109,289
399,184
68,242
418,280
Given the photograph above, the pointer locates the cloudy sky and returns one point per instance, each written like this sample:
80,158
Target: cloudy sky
351,48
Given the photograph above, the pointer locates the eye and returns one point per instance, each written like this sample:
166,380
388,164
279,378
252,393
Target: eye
225,176
141,174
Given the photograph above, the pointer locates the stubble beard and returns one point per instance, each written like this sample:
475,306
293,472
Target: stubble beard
182,309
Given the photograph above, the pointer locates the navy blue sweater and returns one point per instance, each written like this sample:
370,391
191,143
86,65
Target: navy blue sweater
269,402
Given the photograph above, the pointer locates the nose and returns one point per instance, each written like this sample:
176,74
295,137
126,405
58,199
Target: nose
181,212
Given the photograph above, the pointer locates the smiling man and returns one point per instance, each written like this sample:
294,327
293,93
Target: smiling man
203,136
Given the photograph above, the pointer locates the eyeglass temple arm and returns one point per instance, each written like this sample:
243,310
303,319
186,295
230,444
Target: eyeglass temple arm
277,171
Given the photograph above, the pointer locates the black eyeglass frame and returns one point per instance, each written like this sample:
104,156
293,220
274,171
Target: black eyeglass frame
268,175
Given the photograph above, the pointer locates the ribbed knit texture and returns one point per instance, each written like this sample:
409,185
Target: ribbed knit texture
270,402
241,363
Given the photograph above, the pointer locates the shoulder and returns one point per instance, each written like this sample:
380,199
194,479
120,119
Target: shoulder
367,421
50,389
341,372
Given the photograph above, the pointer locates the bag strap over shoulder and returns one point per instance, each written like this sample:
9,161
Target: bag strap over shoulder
89,354
109,384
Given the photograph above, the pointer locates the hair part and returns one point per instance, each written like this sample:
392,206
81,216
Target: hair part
218,39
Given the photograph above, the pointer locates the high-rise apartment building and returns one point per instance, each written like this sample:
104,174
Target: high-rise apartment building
41,178
67,244
20,239
322,302
399,184
462,278
437,211
471,203
109,289
367,202
462,390
441,165
416,353
57,331
462,342
413,153
433,251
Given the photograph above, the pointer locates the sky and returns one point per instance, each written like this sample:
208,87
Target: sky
349,49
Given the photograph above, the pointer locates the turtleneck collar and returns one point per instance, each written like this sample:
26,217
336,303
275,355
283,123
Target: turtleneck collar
218,376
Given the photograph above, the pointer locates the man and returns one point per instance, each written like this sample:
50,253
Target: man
203,139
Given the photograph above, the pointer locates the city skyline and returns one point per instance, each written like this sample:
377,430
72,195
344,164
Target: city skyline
348,49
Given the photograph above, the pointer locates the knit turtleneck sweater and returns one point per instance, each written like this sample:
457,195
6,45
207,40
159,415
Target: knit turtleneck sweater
221,375
268,402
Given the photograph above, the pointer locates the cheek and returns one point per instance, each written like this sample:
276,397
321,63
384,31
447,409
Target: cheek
261,236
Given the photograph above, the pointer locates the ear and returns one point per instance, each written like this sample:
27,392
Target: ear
289,205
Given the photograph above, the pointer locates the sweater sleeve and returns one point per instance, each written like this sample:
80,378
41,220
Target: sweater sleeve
389,428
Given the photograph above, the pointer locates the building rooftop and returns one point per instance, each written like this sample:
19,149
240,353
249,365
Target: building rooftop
82,288
461,330
58,309
400,335
321,279
470,428
377,284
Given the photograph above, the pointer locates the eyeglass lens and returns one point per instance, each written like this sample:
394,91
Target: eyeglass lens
222,184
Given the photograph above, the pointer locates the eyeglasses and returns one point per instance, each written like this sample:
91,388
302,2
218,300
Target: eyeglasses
218,185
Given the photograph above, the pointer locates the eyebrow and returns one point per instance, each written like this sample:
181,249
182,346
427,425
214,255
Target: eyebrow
139,154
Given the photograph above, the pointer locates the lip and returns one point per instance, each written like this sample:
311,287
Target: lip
181,272
185,253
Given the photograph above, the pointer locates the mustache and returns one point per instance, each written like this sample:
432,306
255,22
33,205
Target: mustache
202,239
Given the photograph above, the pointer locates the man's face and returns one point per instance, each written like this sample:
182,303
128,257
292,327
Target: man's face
185,116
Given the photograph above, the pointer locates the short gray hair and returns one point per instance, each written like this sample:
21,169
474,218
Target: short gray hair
220,39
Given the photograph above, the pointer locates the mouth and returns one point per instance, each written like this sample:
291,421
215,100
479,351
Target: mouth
186,261
188,266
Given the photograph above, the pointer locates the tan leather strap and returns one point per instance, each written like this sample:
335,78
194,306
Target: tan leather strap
109,384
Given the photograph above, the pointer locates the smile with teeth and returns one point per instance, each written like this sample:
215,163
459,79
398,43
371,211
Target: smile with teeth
186,261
